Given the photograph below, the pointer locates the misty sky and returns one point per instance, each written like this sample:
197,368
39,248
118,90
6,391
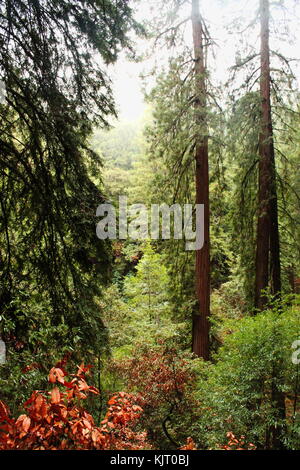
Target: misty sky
218,15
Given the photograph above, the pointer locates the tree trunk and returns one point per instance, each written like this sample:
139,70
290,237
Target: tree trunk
200,333
267,244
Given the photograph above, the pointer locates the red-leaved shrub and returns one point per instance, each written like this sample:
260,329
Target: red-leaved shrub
57,419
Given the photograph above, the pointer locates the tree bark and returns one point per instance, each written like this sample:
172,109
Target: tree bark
267,244
200,333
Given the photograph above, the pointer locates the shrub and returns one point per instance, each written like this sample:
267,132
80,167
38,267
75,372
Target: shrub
237,394
57,420
164,381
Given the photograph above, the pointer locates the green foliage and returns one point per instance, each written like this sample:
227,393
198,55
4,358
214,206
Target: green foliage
242,162
147,290
237,393
126,168
140,310
171,139
52,266
118,146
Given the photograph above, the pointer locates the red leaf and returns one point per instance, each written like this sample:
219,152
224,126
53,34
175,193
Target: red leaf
83,385
26,423
4,411
55,396
56,374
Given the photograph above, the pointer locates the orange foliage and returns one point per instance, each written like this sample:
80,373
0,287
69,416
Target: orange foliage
56,419
165,378
235,443
190,445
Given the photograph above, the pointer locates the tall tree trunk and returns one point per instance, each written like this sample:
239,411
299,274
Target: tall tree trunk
267,244
200,332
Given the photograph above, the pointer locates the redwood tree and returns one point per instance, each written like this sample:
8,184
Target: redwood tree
202,279
267,245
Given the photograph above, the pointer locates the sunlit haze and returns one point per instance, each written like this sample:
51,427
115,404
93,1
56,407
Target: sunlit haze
219,16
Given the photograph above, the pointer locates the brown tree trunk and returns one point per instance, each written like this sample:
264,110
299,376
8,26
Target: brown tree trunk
267,245
200,334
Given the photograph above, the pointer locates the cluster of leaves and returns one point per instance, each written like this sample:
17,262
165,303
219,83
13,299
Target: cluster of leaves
190,445
235,443
164,381
57,420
